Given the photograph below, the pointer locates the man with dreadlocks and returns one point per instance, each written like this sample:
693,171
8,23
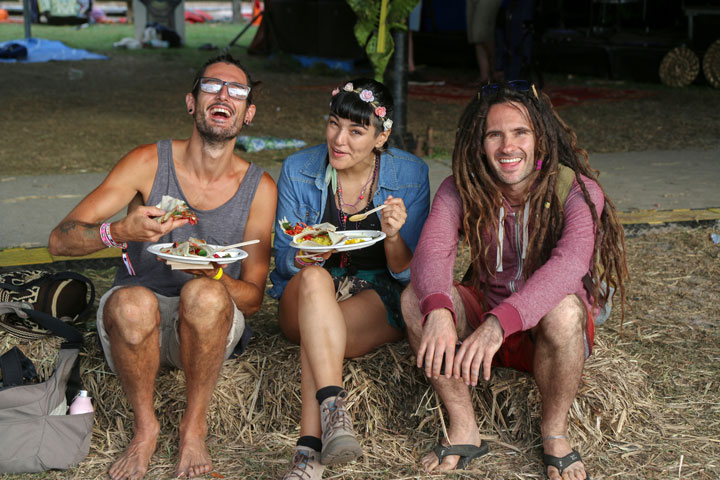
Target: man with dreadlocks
544,242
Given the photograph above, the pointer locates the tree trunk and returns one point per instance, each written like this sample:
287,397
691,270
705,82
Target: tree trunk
237,11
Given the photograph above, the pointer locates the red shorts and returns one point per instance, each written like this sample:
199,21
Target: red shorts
518,350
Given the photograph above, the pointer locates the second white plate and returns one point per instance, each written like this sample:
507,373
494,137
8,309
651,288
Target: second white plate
369,237
235,255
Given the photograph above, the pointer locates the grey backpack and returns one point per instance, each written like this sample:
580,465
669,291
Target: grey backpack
37,434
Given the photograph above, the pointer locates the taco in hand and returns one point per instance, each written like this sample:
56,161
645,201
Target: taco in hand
175,208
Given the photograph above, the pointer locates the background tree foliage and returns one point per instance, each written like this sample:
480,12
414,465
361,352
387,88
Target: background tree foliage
374,34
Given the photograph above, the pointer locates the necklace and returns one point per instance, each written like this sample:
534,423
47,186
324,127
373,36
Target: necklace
369,181
342,216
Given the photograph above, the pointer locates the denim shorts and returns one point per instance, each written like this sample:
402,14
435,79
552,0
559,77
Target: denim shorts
382,282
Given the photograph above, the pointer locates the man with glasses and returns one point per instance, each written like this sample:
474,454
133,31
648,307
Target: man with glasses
544,244
191,319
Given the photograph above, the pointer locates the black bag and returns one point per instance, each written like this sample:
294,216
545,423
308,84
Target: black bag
37,434
61,295
14,50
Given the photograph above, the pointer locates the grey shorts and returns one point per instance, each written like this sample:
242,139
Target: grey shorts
169,338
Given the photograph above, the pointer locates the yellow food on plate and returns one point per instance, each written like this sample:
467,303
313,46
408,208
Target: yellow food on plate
351,241
322,239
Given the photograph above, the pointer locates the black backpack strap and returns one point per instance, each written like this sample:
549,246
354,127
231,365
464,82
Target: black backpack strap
16,368
73,339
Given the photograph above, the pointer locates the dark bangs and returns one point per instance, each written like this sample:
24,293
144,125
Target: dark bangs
349,105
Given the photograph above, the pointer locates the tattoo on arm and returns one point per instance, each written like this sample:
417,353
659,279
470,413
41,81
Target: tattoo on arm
89,230
67,227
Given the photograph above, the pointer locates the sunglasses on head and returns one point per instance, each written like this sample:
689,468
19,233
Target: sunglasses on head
237,91
517,85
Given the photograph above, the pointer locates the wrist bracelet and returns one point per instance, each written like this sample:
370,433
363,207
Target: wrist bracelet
218,275
107,239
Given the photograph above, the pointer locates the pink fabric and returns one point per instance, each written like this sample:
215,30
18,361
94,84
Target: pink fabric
518,304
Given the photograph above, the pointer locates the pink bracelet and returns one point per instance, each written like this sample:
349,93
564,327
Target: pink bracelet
107,237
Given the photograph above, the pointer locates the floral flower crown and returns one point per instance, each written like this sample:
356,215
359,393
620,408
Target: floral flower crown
367,96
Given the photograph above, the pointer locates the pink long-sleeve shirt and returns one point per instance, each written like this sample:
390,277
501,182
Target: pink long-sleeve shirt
518,304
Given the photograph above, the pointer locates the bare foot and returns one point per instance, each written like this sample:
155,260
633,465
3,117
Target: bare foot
194,458
431,462
559,447
133,463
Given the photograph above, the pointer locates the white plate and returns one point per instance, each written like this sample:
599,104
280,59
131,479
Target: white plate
235,255
371,237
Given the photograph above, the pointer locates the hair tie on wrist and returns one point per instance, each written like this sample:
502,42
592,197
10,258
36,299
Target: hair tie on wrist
218,275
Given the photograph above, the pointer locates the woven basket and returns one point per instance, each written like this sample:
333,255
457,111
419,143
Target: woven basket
711,64
679,67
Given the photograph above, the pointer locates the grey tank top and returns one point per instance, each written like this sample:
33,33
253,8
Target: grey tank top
221,226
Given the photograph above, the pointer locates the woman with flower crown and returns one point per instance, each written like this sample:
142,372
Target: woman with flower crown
343,305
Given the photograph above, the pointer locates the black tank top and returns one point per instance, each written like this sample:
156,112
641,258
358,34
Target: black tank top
370,258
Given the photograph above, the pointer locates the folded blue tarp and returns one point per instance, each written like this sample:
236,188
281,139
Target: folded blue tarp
41,50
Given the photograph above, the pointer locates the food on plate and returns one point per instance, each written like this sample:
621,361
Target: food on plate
194,247
175,208
322,234
322,238
289,229
351,241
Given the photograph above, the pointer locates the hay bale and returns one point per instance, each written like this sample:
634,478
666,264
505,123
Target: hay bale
647,399
679,67
255,409
711,64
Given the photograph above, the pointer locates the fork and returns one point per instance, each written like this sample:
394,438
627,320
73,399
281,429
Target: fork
235,245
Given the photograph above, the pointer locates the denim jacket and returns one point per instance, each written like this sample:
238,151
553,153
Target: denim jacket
303,195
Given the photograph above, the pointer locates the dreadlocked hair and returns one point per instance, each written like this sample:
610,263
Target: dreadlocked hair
555,145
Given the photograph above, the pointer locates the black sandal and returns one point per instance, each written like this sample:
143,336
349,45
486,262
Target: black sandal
466,452
561,463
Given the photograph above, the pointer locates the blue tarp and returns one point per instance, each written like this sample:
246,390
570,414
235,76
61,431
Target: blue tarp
41,50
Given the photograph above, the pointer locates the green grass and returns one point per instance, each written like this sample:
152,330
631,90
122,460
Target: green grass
100,37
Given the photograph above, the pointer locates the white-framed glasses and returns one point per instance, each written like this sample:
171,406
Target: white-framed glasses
214,85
